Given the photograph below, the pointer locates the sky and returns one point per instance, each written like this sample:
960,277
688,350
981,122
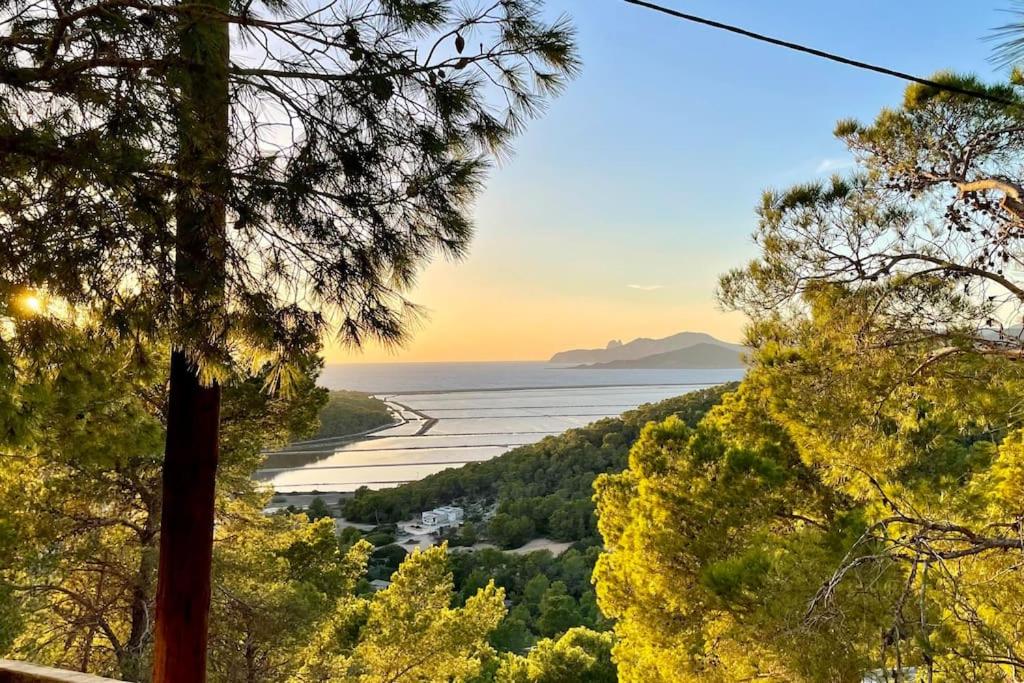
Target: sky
625,202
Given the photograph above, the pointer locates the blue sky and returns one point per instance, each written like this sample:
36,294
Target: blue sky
646,171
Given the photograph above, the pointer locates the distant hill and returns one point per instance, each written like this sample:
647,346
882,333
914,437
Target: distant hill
350,412
698,356
641,348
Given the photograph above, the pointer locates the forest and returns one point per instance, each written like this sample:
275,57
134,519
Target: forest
540,490
351,412
867,473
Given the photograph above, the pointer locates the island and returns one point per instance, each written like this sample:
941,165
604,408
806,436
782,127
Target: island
686,350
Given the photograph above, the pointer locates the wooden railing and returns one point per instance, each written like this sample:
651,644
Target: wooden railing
22,672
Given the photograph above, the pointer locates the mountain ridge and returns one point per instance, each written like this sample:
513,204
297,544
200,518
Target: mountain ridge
701,356
641,347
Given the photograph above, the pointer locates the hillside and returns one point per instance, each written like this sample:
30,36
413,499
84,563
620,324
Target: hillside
351,412
640,348
542,489
699,356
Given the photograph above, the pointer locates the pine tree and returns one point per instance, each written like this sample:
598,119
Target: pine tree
241,178
80,491
407,632
856,504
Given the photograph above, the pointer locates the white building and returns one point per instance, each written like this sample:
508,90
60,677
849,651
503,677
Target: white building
446,516
907,675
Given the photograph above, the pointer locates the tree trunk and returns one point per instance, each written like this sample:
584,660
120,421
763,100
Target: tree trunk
250,663
190,464
186,528
131,659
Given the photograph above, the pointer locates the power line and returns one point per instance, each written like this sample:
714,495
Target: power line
821,53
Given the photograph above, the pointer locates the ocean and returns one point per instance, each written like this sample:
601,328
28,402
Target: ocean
450,414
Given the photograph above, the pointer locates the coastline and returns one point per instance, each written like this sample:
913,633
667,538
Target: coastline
451,425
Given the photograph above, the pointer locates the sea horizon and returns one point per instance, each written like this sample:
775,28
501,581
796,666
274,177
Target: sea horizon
444,376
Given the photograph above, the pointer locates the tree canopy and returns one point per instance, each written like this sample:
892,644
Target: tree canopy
351,412
80,487
79,524
854,505
358,136
580,655
407,632
236,179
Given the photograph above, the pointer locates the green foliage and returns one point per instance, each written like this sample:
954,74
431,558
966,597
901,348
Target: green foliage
79,526
464,535
692,607
535,589
380,538
467,534
513,633
547,595
11,620
545,489
178,225
348,536
409,631
314,557
855,504
542,489
511,532
739,576
351,412
390,556
80,491
318,509
308,243
276,579
559,611
579,656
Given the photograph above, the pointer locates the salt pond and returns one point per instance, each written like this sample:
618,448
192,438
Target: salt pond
483,412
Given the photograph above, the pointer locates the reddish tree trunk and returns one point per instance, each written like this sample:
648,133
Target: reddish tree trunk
186,529
190,465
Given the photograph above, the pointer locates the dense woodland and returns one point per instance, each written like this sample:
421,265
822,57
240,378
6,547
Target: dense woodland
291,602
541,490
351,412
868,472
546,595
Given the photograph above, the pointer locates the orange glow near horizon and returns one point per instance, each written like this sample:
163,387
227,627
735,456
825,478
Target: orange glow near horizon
473,318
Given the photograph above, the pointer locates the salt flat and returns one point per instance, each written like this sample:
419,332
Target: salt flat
448,428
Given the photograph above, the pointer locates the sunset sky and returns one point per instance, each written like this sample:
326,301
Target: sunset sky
625,202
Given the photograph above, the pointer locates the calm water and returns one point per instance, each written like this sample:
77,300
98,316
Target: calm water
454,413
389,378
